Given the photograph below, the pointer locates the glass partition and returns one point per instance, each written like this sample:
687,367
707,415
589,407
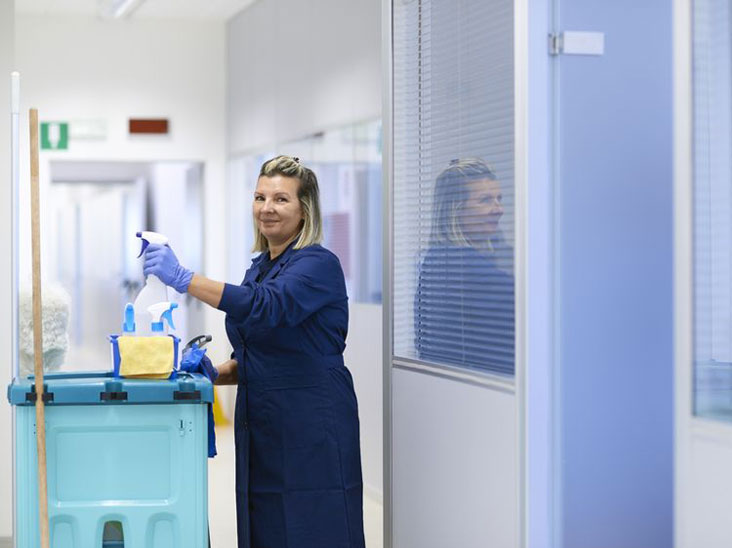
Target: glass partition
454,183
712,191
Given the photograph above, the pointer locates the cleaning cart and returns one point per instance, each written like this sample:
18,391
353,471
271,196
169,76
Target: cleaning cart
127,461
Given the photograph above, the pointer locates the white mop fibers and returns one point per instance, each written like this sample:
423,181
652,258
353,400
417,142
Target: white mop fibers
55,313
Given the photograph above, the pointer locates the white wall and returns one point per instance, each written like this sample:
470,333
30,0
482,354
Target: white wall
7,10
364,358
85,68
296,68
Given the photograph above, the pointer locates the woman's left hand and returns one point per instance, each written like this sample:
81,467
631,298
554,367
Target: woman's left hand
195,361
162,262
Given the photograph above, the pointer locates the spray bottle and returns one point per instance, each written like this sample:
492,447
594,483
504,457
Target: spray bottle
161,312
128,327
154,291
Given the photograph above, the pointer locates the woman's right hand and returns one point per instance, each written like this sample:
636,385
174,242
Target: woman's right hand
162,262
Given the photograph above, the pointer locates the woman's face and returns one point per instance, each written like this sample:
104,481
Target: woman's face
277,208
482,210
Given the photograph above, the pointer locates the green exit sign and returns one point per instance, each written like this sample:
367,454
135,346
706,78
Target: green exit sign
54,135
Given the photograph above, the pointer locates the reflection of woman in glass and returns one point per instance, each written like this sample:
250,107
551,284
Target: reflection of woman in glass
464,305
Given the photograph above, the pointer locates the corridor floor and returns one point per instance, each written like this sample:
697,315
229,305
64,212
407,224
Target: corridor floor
222,505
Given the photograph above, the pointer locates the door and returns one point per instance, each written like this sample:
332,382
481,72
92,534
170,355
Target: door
90,266
614,345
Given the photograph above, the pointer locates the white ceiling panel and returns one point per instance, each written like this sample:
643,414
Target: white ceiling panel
148,9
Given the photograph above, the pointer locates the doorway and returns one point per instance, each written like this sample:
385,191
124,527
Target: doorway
96,210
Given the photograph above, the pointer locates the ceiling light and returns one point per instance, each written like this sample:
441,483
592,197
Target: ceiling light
117,9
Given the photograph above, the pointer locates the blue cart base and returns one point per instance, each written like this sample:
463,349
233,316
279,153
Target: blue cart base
126,462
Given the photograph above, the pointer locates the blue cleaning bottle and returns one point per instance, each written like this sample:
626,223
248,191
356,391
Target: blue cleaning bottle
128,327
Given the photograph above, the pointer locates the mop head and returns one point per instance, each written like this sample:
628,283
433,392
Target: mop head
56,304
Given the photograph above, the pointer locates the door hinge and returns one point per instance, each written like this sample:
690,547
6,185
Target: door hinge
555,46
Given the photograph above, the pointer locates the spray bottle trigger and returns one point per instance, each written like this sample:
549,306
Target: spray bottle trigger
168,315
160,313
145,243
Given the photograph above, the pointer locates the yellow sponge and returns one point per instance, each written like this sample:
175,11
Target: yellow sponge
146,357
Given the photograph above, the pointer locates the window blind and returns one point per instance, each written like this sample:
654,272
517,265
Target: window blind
712,194
453,150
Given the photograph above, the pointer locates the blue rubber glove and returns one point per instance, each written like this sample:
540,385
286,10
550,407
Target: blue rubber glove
162,262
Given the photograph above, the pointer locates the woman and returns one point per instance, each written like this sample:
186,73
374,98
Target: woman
298,468
464,304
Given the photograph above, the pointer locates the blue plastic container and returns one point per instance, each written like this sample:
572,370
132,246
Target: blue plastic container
122,454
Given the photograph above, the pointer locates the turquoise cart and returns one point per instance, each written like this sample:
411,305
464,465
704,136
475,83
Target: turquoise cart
127,461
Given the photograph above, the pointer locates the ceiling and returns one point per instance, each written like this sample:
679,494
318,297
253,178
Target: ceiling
149,9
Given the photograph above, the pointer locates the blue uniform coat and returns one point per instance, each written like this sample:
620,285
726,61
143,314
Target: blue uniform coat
298,466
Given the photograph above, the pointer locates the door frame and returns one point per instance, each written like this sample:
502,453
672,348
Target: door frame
683,305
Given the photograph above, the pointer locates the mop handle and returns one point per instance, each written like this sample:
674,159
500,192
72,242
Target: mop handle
38,334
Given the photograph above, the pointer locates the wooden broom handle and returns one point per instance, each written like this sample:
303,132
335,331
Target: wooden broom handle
38,334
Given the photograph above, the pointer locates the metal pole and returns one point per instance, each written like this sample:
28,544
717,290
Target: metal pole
15,204
387,36
14,236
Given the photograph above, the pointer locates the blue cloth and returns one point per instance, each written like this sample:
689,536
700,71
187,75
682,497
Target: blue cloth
194,360
162,262
298,467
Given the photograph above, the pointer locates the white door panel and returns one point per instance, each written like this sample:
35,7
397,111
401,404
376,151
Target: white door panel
710,487
455,464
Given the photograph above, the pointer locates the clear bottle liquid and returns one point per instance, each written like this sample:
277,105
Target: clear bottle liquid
153,292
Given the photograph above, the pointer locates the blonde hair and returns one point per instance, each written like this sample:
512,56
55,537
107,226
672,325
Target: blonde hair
308,194
451,193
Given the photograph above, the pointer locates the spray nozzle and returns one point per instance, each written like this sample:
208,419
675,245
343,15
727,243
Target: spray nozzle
151,238
159,312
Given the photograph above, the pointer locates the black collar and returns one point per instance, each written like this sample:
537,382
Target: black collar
280,261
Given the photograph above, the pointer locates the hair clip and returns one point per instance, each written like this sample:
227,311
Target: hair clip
454,161
297,160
